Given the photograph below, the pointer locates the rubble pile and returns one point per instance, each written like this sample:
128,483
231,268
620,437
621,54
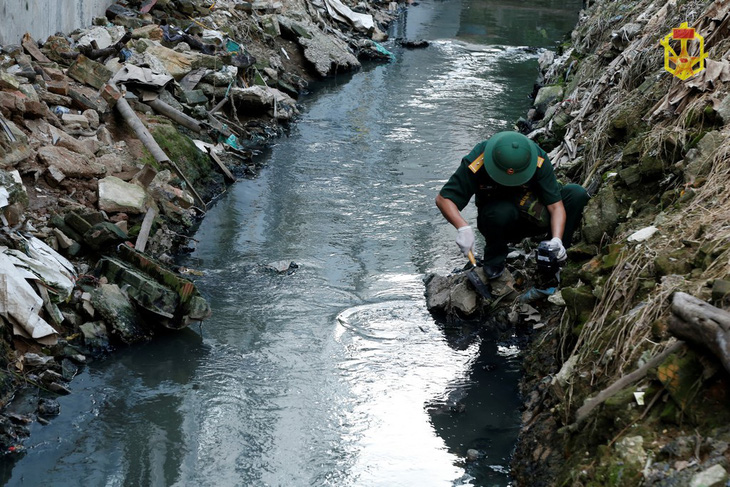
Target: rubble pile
114,139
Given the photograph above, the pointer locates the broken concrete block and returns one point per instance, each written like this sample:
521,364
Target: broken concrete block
83,102
152,31
263,97
76,223
143,289
600,215
104,234
95,335
165,192
102,36
70,163
546,96
58,87
115,10
71,119
192,306
84,70
115,195
631,450
54,176
8,81
186,6
715,476
270,25
464,299
176,64
72,318
328,54
92,116
63,240
11,102
118,312
194,97
13,189
267,6
62,139
54,73
698,161
244,7
110,94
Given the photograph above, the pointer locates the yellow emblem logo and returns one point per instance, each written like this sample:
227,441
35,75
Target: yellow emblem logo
684,65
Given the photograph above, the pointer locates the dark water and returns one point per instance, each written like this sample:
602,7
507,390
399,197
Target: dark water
335,375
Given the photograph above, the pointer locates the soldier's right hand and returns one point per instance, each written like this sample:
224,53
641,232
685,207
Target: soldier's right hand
465,239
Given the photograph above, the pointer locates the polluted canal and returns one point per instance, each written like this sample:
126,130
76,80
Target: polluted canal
332,373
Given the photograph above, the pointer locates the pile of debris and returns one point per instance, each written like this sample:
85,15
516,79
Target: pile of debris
114,139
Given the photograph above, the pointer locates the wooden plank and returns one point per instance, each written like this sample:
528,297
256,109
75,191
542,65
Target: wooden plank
144,231
226,172
191,80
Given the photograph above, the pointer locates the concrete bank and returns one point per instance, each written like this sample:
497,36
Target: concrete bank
43,18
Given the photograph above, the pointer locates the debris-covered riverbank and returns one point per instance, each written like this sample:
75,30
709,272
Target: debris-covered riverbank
114,139
627,378
629,384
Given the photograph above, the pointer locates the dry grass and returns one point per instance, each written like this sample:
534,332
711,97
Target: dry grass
619,329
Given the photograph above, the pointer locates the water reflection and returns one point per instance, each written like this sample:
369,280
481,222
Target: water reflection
516,22
481,412
122,425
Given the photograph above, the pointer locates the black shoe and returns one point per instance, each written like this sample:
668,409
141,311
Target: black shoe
493,271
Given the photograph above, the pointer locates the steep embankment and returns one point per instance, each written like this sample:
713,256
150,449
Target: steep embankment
612,396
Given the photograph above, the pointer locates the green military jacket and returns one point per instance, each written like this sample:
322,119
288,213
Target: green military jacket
471,179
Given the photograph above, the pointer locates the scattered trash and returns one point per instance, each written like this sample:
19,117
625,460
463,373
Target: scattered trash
282,267
339,11
643,234
383,50
639,397
533,294
59,110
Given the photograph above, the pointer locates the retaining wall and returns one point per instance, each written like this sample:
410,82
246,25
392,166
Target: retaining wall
43,18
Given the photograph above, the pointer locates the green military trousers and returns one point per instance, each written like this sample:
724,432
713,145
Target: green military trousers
501,222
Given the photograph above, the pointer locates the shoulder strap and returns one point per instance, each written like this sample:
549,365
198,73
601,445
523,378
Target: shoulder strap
478,163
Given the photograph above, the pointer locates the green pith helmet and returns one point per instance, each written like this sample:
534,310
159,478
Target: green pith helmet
510,158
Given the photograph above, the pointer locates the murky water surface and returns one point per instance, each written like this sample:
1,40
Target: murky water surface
335,375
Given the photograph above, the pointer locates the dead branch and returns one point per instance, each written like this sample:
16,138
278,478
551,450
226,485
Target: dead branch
591,403
703,324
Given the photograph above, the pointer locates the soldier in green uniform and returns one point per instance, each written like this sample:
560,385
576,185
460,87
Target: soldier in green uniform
517,195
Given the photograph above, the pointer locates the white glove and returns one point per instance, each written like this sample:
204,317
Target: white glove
556,243
465,240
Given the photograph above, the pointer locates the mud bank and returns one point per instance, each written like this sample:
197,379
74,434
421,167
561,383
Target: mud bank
114,141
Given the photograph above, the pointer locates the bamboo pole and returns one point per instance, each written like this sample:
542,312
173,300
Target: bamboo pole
150,143
175,115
